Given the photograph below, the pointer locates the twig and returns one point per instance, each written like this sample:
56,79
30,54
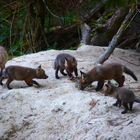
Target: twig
112,45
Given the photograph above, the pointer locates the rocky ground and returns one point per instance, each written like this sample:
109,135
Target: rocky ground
59,111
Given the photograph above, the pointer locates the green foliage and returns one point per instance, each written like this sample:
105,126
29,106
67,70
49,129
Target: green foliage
12,31
14,21
116,3
70,19
121,3
17,48
4,30
102,20
54,46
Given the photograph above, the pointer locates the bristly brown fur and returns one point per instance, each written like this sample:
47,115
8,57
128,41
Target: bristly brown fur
104,72
123,95
23,73
66,62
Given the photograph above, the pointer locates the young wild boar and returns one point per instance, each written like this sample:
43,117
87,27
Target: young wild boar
123,95
104,72
66,62
23,73
3,58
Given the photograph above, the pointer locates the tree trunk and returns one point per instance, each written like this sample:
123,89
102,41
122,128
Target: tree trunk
35,33
94,13
64,38
105,34
115,39
86,32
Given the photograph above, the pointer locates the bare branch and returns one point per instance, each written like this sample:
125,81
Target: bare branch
115,39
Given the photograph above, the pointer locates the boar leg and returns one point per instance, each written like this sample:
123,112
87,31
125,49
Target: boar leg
126,108
36,83
1,72
1,79
120,80
69,73
99,85
56,73
131,105
118,102
9,80
76,73
29,83
62,72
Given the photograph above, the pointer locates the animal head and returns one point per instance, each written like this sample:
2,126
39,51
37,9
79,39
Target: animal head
41,73
70,64
109,89
84,80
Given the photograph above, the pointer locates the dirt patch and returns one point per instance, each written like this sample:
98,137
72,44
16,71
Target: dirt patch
59,110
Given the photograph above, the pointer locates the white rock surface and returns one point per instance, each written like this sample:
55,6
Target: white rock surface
59,111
